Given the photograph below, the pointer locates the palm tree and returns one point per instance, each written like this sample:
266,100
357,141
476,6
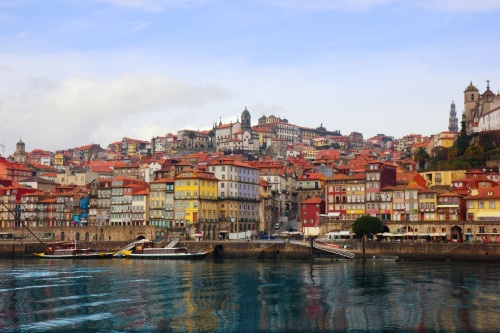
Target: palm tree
421,156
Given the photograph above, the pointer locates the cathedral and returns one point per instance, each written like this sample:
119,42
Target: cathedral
481,111
238,136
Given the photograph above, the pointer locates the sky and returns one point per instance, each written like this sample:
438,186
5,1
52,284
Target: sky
79,72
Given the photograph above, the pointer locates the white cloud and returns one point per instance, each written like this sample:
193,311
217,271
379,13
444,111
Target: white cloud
330,4
52,115
152,5
354,5
460,5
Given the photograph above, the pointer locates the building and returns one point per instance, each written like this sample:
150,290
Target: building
13,171
483,215
76,176
311,209
161,201
196,194
336,196
481,111
129,202
238,195
378,175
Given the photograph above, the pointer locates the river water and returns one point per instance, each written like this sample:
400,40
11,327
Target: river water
124,295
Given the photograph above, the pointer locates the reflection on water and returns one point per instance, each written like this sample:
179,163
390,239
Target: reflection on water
246,296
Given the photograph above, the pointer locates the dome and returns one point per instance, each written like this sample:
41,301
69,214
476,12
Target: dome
245,112
471,87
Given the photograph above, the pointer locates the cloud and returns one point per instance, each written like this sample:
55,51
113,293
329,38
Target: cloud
152,5
52,114
460,5
330,4
356,5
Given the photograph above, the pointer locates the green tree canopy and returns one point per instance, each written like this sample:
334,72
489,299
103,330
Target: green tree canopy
453,152
366,225
474,150
462,142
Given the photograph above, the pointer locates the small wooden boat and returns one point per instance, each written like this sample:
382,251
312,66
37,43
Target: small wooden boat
146,250
68,250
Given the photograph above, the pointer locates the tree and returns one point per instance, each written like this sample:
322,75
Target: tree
439,154
192,136
211,134
462,142
474,150
421,156
453,152
367,225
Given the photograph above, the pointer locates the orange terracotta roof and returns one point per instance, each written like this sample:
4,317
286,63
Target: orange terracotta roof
312,201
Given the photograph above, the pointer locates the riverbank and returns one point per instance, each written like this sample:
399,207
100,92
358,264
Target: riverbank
272,250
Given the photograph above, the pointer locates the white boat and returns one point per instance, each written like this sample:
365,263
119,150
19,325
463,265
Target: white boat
146,250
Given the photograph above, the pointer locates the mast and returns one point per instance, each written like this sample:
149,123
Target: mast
26,227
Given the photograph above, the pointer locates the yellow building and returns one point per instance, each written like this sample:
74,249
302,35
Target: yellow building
436,178
195,198
320,143
58,159
445,139
483,215
309,154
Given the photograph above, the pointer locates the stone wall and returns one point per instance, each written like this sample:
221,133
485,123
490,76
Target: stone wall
289,251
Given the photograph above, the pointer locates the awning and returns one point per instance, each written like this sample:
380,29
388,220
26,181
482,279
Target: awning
489,214
338,233
447,206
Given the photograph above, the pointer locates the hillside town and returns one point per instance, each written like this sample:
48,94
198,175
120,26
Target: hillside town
264,178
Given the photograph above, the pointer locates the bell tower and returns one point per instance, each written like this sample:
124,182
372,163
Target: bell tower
471,98
20,155
453,121
246,120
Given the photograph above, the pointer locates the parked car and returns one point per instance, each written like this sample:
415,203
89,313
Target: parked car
277,225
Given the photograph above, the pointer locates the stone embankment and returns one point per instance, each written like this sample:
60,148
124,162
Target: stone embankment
459,252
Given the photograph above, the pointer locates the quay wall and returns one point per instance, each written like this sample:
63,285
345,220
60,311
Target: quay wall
457,252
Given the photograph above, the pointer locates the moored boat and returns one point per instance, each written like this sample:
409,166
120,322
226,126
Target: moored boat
68,250
147,250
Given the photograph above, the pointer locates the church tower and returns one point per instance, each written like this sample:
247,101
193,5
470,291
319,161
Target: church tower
20,155
453,122
471,98
246,120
